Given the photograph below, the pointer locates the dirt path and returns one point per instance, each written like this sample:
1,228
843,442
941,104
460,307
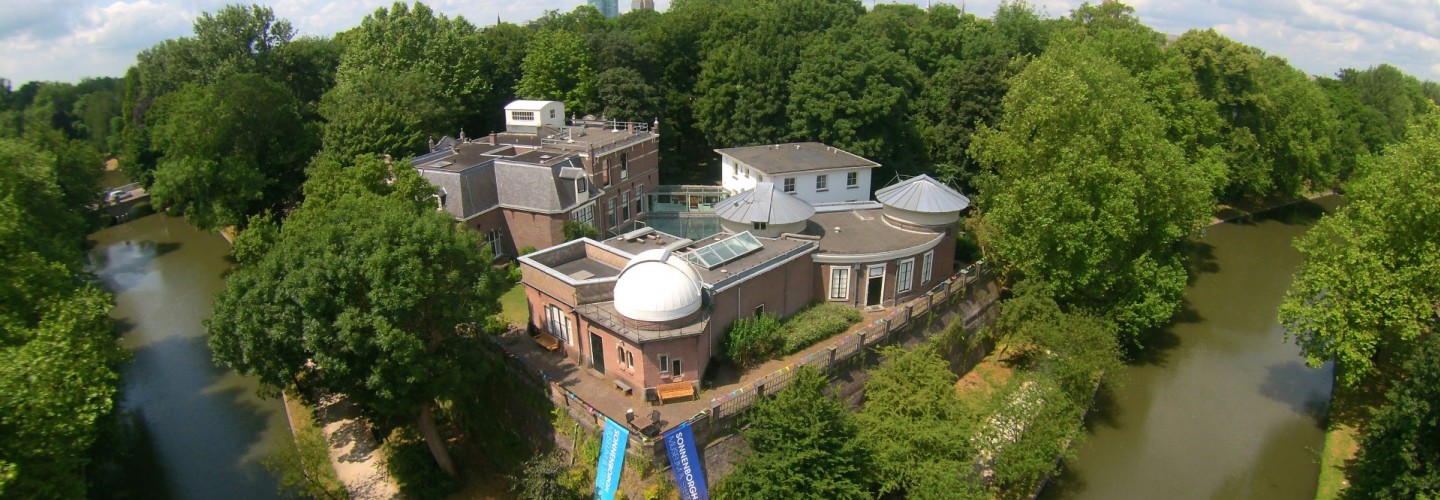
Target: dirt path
353,451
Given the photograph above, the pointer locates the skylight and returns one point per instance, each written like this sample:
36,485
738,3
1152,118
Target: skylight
725,250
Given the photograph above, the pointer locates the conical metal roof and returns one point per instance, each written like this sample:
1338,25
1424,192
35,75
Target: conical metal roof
764,204
922,194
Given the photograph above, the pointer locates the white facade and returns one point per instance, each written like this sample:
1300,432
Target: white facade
526,116
737,177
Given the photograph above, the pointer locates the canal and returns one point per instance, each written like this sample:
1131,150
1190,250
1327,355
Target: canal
1221,406
203,428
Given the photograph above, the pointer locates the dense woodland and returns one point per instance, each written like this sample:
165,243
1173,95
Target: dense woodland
1093,146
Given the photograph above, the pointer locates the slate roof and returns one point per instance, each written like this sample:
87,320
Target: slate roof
765,204
476,178
777,159
922,194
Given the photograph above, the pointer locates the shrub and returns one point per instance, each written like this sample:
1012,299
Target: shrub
751,341
575,230
816,323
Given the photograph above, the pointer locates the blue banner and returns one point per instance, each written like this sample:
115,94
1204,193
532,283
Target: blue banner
686,463
612,460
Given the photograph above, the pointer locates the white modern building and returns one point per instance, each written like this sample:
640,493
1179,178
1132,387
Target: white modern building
811,171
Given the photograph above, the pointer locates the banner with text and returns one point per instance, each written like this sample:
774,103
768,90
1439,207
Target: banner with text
612,460
686,463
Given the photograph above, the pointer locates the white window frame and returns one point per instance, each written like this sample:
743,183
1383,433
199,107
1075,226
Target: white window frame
639,199
522,116
624,206
760,309
759,226
852,180
624,166
664,364
905,275
582,186
789,185
927,266
822,182
844,273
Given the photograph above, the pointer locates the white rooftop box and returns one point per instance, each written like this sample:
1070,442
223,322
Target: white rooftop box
529,116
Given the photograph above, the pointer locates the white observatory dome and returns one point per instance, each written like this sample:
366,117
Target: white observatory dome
657,286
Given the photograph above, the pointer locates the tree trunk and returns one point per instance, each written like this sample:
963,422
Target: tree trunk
432,438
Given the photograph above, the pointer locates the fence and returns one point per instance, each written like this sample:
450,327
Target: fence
723,412
725,409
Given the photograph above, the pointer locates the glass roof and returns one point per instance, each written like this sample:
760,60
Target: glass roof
725,250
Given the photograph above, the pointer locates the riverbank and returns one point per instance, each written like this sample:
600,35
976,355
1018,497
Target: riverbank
1243,210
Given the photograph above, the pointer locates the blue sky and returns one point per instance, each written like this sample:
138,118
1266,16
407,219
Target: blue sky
65,40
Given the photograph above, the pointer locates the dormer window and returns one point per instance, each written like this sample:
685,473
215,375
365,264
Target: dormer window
759,226
582,186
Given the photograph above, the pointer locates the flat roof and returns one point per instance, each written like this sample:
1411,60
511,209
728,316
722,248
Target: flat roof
585,268
796,157
730,272
543,156
859,232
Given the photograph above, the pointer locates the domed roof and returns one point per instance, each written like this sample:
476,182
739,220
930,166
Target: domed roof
922,194
765,204
657,285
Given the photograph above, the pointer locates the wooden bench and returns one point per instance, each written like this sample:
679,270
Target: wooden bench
674,390
548,341
622,387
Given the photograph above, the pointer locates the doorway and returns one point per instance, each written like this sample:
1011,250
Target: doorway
874,285
597,353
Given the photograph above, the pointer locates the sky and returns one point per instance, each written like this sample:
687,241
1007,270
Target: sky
65,40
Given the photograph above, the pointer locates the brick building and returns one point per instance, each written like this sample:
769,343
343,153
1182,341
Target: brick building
647,308
520,186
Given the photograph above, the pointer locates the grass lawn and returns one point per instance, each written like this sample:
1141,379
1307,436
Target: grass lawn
513,307
1349,411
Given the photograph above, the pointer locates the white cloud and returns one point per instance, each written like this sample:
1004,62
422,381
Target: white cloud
68,39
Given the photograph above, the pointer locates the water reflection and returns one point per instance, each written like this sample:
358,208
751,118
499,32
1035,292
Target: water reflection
1220,406
202,429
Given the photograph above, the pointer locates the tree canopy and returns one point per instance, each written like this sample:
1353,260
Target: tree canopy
1367,287
374,287
1084,191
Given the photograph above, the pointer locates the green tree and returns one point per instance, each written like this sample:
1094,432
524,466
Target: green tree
58,355
1083,190
1367,287
804,446
557,67
414,39
1400,450
1228,73
235,40
916,425
853,92
231,149
379,291
383,112
625,95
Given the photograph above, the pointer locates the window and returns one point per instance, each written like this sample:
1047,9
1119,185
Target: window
839,282
494,241
639,200
926,266
675,369
852,180
759,226
581,186
610,213
664,363
624,165
552,113
522,116
760,309
620,353
607,172
905,275
584,215
557,323
624,206
821,181
630,359
789,184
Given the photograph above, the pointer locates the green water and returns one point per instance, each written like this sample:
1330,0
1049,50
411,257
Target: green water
1222,406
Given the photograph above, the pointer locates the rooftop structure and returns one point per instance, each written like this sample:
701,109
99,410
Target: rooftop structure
520,186
810,171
